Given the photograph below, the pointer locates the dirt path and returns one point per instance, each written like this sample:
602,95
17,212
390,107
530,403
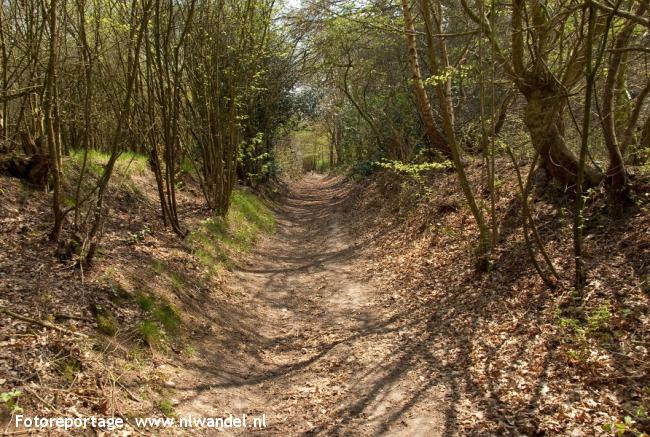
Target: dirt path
306,345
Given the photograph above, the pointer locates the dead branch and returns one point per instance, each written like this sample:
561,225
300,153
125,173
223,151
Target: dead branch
40,323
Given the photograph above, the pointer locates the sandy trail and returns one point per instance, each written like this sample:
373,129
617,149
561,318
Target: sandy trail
305,344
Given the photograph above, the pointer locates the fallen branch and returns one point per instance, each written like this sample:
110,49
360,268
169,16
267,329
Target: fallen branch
128,392
40,323
70,317
43,401
26,431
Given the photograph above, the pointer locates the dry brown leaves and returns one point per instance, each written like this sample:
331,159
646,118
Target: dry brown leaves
498,338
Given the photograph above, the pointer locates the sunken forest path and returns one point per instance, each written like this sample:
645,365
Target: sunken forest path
304,342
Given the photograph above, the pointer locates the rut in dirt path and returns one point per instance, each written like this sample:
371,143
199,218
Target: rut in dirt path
305,344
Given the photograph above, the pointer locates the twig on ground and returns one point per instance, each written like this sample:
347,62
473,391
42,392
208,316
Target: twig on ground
69,317
131,395
26,431
40,323
43,401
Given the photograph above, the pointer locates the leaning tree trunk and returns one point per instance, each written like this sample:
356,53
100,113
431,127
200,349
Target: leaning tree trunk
543,118
545,97
446,108
437,139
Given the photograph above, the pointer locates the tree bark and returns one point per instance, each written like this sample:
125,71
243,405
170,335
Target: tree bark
49,105
437,139
449,138
543,118
616,176
545,99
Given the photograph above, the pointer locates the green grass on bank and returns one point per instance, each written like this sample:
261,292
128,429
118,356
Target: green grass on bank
158,314
215,242
128,165
217,238
128,162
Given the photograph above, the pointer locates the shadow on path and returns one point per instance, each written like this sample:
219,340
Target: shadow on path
308,344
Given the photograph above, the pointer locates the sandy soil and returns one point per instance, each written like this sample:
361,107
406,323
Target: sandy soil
307,345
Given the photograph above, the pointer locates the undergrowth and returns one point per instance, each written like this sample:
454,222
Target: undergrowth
409,169
582,335
162,322
130,162
127,165
218,238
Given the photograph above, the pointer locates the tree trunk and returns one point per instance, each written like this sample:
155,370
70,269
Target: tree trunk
437,139
503,113
446,106
645,135
49,105
543,118
545,98
617,180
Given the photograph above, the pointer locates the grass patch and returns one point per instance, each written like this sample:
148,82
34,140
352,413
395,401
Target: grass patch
187,166
256,214
150,332
218,237
167,408
177,281
136,359
189,351
130,162
168,316
69,368
106,324
145,301
158,266
163,319
134,161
